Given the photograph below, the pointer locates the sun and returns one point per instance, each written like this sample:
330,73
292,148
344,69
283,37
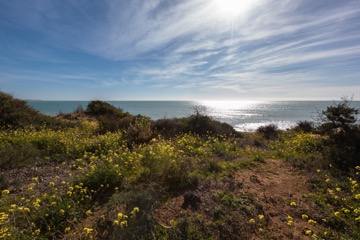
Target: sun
233,8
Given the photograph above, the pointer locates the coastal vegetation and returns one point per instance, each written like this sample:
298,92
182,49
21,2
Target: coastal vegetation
102,173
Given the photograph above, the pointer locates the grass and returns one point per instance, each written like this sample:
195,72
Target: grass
127,181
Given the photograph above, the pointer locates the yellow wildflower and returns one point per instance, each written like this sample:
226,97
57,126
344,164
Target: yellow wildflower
123,223
134,211
5,192
88,230
311,221
26,209
345,210
36,232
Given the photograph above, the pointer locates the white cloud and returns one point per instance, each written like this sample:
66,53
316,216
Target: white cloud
276,46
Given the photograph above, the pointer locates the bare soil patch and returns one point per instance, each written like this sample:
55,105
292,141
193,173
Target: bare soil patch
273,189
282,191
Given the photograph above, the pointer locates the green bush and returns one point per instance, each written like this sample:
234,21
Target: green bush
98,108
170,127
101,181
18,154
339,116
343,135
113,123
15,113
111,119
140,130
269,132
199,124
305,126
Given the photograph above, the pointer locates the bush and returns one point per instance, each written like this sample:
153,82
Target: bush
111,119
305,126
15,113
199,124
18,154
101,180
113,123
339,116
98,108
140,130
270,132
202,124
343,142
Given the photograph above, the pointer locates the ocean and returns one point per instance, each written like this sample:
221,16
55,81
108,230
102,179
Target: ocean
242,115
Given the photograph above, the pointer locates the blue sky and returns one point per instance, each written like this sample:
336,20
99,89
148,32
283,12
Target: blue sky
180,49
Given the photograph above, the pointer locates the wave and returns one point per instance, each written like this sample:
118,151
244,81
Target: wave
252,127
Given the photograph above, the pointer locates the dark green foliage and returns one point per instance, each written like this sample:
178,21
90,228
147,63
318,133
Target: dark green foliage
339,115
199,124
171,177
98,108
79,110
270,132
15,113
343,143
138,129
305,126
101,181
111,119
113,123
145,196
18,154
170,127
202,124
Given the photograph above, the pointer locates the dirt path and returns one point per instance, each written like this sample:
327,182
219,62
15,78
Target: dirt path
281,191
275,190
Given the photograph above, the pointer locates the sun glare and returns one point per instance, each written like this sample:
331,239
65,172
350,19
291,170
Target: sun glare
233,8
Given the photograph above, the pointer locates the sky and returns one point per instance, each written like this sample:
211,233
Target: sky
180,49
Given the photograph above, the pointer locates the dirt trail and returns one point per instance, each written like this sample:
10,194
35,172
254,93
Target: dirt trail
277,190
280,190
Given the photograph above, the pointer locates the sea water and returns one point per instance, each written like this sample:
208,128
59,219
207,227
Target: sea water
242,115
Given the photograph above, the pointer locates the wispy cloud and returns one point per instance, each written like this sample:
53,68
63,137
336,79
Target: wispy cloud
272,47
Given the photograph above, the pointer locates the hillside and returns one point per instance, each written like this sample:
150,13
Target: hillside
105,174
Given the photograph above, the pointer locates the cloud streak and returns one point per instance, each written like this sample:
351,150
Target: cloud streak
273,47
